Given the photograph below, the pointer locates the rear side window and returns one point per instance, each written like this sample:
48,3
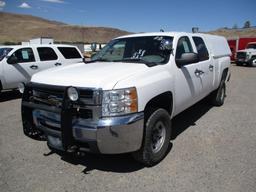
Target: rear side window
24,55
46,54
201,49
69,52
183,46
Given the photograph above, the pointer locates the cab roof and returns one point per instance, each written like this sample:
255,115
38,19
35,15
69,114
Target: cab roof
36,45
167,34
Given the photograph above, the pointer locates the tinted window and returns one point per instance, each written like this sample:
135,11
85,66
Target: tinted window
201,49
24,55
184,46
69,52
46,54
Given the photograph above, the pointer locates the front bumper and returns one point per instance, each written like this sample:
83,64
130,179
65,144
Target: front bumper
113,135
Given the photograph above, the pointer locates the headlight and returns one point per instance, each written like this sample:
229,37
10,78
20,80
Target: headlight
248,55
73,94
119,102
21,87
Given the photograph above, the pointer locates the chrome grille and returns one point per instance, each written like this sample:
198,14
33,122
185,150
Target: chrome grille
241,55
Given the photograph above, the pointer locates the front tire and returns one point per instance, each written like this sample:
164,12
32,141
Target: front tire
253,62
238,63
156,141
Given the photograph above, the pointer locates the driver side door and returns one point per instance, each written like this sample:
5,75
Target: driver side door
188,84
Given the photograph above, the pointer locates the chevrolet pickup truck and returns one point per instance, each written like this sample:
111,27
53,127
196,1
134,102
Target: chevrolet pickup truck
124,99
247,56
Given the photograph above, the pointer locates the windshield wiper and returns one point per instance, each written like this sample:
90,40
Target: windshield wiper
137,60
96,60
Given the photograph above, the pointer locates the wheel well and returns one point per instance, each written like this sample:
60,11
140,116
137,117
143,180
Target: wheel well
1,86
224,74
164,100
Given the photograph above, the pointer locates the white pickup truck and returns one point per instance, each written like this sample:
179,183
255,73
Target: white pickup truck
19,62
247,56
124,99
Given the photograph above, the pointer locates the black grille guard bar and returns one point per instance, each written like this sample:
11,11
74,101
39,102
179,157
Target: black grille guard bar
65,111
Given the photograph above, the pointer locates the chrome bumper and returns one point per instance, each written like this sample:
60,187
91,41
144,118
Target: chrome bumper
113,135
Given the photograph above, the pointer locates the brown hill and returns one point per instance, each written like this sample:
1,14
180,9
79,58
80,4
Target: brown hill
234,33
17,28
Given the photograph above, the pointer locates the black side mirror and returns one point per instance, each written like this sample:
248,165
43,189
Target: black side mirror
187,58
12,60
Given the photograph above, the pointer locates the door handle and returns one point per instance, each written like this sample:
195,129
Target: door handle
34,67
198,72
211,67
57,64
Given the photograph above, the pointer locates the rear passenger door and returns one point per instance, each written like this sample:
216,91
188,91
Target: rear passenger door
206,65
70,55
48,58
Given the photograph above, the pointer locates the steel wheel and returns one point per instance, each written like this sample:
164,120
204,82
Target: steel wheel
158,136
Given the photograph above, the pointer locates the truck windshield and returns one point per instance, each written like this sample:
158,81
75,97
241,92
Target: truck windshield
4,52
150,50
251,46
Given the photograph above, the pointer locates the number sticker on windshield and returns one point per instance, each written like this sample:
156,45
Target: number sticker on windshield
138,54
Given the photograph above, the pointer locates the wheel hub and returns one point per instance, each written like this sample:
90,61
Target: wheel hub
158,136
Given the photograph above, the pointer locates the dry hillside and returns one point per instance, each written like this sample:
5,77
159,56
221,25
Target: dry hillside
17,28
233,33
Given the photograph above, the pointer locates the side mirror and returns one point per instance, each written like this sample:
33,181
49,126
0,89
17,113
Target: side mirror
187,58
12,60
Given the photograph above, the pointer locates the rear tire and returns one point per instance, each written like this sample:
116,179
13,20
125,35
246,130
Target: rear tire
218,96
157,136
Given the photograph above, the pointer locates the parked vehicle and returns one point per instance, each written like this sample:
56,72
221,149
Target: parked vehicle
247,56
238,44
124,99
19,63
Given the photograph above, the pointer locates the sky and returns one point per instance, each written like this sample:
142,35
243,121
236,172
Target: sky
140,15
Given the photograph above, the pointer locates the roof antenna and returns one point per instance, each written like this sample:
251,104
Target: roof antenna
161,30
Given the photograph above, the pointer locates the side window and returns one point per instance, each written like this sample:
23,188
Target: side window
69,52
201,49
183,46
24,55
46,54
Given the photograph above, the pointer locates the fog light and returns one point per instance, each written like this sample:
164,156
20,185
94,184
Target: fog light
21,87
73,94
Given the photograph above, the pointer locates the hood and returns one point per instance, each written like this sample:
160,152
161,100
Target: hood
95,75
247,50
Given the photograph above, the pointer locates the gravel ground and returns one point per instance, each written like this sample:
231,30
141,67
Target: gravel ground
213,149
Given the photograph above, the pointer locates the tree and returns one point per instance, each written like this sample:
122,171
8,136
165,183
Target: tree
247,24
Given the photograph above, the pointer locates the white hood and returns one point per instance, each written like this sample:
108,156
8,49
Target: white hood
247,50
95,75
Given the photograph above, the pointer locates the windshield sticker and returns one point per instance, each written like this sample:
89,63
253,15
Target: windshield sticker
165,45
158,38
138,54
